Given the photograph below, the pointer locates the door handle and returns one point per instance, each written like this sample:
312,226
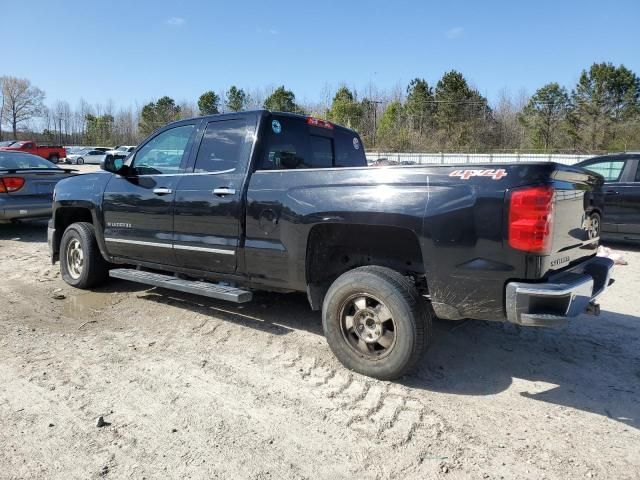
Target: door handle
162,191
611,192
224,191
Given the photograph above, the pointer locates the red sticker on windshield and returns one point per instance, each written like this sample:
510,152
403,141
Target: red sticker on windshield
495,174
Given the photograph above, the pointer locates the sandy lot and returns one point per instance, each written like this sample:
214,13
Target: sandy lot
195,388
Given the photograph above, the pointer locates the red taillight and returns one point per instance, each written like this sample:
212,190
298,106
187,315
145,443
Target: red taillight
11,184
316,122
531,219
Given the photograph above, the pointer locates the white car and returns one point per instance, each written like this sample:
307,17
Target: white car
122,150
88,155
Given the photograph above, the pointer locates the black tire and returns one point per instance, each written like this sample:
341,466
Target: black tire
409,323
79,161
92,269
595,226
54,159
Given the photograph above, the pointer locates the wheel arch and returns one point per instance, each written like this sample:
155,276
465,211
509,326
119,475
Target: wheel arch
66,215
335,248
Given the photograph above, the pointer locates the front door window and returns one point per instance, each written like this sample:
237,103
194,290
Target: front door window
163,154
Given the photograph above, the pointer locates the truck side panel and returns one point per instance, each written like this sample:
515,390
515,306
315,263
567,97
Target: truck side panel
460,225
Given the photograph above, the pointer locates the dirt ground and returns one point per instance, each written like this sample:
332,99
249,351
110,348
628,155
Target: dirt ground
196,388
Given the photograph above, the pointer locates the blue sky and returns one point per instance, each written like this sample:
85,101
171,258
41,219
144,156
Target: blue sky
132,50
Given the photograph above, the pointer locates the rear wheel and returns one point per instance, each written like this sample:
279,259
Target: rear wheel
595,225
54,158
376,322
81,262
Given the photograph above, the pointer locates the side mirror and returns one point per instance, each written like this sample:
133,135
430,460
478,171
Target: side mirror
112,164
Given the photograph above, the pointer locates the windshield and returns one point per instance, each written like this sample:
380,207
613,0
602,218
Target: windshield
6,144
14,161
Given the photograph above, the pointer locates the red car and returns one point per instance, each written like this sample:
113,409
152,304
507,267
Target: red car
51,153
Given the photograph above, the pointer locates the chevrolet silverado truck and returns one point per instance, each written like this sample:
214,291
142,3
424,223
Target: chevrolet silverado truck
225,205
53,153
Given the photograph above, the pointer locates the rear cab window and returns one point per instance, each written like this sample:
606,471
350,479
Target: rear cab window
291,143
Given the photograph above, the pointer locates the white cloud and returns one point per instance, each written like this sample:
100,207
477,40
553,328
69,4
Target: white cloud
455,32
176,21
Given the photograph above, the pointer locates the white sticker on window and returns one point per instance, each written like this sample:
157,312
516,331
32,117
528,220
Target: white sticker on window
356,143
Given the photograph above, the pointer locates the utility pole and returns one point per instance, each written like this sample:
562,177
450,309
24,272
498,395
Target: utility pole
375,119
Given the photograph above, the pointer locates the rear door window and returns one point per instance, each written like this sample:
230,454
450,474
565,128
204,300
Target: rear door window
609,169
224,144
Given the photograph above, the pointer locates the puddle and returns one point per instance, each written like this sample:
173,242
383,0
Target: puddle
85,305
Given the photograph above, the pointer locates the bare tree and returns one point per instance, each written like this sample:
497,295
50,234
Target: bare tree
22,101
510,130
188,109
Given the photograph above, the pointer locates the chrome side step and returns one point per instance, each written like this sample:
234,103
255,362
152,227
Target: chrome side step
196,287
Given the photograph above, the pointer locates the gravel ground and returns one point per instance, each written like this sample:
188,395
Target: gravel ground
195,388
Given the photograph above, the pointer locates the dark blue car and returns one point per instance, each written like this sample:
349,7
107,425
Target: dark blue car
621,214
26,185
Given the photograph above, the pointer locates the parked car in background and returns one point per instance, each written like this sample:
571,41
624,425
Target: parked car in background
53,153
621,212
90,155
122,149
71,149
26,185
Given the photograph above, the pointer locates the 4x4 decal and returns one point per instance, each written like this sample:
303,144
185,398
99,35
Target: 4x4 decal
495,174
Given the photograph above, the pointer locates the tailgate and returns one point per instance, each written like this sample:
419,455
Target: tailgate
577,197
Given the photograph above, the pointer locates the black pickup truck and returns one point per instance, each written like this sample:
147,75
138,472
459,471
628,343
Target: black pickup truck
227,204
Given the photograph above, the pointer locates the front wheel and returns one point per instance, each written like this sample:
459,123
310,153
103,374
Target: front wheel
81,263
80,161
376,322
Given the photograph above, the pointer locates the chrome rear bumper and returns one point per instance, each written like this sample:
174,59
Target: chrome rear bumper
565,294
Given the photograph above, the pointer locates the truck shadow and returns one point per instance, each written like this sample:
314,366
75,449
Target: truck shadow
28,231
277,314
592,364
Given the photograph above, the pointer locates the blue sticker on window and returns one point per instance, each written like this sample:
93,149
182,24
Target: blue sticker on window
276,127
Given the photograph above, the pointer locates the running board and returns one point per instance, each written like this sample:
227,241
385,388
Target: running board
196,287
